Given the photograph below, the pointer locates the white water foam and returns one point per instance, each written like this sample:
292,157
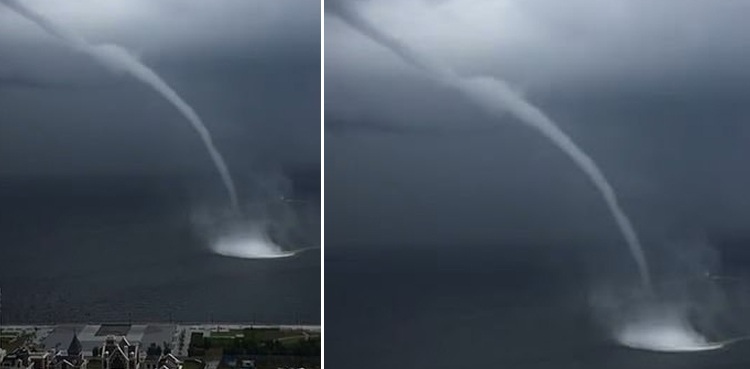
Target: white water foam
249,245
668,333
643,321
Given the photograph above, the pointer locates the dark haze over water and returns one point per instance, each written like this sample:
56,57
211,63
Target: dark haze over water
78,249
467,307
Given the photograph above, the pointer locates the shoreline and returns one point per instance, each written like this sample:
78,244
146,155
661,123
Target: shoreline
195,325
177,336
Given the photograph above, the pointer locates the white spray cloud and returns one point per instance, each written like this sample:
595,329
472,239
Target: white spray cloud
696,310
496,97
120,60
666,330
251,243
246,238
669,324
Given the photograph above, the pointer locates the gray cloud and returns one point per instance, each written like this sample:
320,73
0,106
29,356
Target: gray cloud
545,42
170,26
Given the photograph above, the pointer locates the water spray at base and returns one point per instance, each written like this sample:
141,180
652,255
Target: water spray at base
667,330
247,241
268,221
664,332
691,314
251,243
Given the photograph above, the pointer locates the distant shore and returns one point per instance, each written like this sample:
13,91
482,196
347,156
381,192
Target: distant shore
201,325
174,335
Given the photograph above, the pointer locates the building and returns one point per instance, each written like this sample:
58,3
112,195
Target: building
120,355
23,358
71,359
40,360
16,359
153,355
169,361
156,358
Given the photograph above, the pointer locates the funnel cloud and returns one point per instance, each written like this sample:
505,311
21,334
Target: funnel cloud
120,60
496,98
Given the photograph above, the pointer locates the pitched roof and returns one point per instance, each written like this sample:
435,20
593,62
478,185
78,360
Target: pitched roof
172,358
124,342
117,352
75,347
170,361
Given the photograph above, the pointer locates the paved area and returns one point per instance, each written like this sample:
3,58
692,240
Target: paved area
93,335
113,329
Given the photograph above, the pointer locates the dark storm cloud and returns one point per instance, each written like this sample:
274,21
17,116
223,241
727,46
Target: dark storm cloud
249,68
655,92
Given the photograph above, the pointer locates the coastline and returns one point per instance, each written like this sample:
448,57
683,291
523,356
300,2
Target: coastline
177,336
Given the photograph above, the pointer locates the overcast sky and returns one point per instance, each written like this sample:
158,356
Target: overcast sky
656,92
249,68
